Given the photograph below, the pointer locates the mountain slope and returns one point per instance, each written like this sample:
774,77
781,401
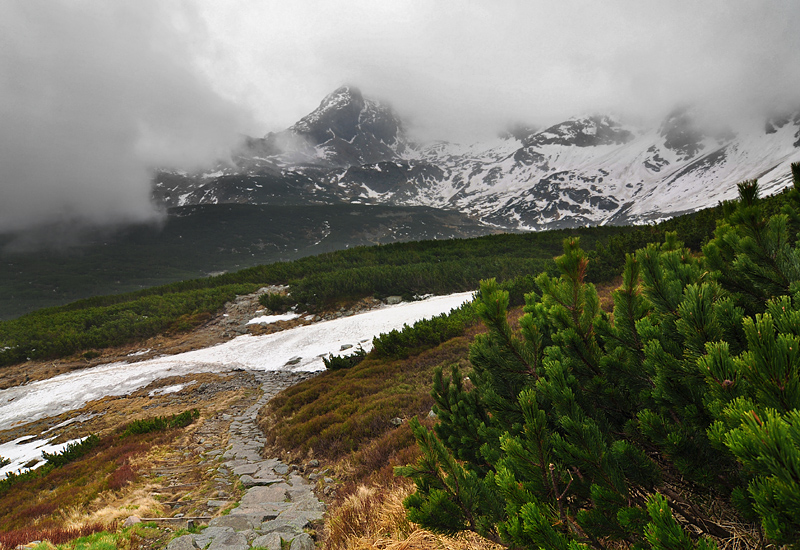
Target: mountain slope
583,171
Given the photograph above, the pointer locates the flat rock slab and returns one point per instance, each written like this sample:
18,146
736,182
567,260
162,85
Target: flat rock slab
287,528
186,542
250,481
276,493
268,463
238,522
303,541
303,517
269,510
307,503
230,541
203,538
246,469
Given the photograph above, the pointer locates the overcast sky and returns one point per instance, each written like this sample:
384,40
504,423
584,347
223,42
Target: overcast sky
95,93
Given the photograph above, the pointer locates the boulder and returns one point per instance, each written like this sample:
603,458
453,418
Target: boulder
236,522
303,541
186,542
207,535
131,520
230,541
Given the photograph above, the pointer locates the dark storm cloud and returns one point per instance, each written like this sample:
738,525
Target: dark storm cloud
93,95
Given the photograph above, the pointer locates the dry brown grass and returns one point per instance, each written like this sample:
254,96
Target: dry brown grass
340,412
54,535
115,508
373,518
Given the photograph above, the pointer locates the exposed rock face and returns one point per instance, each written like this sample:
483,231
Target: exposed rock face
345,130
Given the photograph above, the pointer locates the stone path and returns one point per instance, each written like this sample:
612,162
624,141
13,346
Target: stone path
279,504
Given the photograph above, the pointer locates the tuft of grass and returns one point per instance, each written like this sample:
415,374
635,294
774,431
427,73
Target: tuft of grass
374,517
103,540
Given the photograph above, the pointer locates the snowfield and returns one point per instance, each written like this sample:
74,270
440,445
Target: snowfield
297,349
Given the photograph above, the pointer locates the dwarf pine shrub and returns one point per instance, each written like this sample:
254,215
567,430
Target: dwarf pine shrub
564,431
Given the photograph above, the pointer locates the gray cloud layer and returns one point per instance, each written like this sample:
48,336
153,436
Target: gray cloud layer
460,67
93,94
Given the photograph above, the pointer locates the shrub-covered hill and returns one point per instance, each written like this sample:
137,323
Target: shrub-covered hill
318,282
41,269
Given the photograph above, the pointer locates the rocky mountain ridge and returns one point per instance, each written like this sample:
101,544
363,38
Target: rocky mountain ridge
589,170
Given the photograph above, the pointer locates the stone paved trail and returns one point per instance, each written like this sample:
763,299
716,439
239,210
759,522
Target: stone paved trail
278,503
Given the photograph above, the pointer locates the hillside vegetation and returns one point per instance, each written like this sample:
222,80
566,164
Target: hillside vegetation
327,280
196,241
667,420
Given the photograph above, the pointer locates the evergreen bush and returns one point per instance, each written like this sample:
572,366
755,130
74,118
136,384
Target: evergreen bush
160,423
277,303
571,431
336,362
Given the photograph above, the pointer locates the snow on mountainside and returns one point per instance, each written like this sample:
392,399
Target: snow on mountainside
584,171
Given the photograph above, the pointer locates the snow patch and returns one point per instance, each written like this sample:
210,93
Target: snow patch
22,450
267,319
175,388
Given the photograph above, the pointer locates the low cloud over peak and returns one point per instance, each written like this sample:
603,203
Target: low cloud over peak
93,96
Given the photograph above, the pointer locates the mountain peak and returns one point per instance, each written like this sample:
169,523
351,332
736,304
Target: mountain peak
587,131
346,129
341,97
336,116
